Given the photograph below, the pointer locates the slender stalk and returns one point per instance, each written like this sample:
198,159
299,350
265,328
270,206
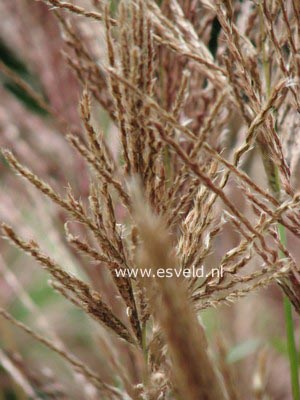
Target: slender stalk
145,352
265,60
288,316
144,342
290,332
288,308
289,323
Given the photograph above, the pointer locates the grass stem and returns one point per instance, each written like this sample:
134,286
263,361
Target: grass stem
288,308
291,345
290,333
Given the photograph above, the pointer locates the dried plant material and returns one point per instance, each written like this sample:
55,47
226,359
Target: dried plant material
90,300
82,368
18,376
176,183
169,300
